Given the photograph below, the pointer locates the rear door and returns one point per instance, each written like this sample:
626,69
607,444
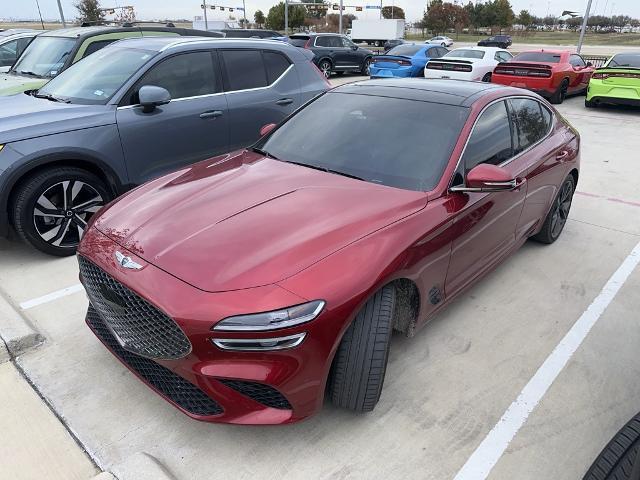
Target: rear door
261,86
485,223
192,127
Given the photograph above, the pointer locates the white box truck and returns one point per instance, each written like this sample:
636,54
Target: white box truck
376,32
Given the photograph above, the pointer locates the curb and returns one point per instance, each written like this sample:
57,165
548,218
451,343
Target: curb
16,331
141,466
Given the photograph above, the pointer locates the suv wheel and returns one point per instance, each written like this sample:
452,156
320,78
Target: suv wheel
366,66
51,209
325,68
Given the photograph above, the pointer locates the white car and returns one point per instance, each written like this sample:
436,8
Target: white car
467,63
12,46
442,41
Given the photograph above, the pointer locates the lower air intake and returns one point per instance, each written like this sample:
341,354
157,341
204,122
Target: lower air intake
259,392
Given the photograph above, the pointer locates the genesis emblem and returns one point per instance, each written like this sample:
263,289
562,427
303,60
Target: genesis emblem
126,262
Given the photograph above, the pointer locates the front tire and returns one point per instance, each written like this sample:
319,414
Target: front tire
359,367
52,208
557,217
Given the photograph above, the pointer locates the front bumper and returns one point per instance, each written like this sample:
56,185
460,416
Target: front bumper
209,383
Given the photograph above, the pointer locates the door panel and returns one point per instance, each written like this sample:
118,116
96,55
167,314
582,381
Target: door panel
192,127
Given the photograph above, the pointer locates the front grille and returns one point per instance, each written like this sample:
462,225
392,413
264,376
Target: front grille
164,381
140,327
259,392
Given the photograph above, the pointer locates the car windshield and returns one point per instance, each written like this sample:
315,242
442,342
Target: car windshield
96,78
389,141
625,60
405,50
466,53
44,57
298,41
543,57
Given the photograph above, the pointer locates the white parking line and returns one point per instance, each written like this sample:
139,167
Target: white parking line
50,297
485,457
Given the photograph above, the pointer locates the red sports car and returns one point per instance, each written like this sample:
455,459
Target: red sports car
244,286
553,74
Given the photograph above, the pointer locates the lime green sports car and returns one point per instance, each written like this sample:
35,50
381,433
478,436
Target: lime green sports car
617,82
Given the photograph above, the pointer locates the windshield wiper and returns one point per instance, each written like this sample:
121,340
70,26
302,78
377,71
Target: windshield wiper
344,174
263,153
29,74
53,98
325,169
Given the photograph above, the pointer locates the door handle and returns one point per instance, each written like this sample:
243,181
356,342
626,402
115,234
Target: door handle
212,114
285,101
562,156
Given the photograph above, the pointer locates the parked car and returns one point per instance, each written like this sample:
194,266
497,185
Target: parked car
53,52
244,286
406,60
133,111
12,46
13,31
441,40
253,33
617,82
389,44
468,63
554,74
500,41
334,53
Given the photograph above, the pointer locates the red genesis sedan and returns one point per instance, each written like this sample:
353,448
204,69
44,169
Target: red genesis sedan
552,74
244,287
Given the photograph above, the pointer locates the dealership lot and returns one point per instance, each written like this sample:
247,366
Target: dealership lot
446,388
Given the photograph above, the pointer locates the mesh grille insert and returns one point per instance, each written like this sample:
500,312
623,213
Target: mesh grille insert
259,392
140,327
174,387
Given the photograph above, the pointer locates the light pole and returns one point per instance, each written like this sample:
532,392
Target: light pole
40,13
244,11
286,17
206,22
584,26
340,22
64,24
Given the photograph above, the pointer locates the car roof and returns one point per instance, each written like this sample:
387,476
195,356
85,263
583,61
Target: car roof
450,92
548,50
159,44
30,33
475,47
92,30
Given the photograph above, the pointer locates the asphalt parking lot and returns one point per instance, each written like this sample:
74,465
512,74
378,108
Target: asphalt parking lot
446,388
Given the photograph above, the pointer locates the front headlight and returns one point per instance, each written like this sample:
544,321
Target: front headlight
287,317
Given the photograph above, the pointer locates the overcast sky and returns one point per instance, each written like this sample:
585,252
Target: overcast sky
153,9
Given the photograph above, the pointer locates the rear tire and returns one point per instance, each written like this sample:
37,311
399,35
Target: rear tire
590,104
359,367
325,67
558,97
616,461
52,207
366,66
557,217
487,77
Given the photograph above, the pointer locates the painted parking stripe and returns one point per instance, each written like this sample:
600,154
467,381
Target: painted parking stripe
50,297
485,457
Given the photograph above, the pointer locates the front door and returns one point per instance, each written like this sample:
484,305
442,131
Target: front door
485,223
192,127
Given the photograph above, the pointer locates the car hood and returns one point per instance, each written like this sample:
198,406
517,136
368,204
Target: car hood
242,220
10,83
23,116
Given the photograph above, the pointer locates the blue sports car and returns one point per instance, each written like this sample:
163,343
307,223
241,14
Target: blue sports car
407,60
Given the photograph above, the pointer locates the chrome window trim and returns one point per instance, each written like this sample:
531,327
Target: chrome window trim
508,161
268,86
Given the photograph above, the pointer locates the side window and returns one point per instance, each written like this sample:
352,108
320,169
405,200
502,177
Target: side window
185,75
335,42
22,44
346,42
502,56
530,125
244,69
276,64
324,41
95,46
547,117
490,140
443,51
577,61
8,53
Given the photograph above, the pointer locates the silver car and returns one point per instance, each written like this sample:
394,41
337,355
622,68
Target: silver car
132,111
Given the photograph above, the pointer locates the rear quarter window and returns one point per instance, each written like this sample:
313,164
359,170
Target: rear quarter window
276,64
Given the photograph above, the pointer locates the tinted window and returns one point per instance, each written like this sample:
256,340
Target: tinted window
466,53
406,50
530,125
186,75
298,41
442,51
8,53
276,64
244,69
538,57
577,61
95,46
324,41
503,56
410,152
490,141
625,60
22,44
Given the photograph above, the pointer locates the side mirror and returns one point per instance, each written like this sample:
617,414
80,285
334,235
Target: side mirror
152,97
589,64
488,178
267,129
354,47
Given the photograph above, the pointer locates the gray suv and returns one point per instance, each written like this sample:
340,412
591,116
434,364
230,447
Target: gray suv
133,111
